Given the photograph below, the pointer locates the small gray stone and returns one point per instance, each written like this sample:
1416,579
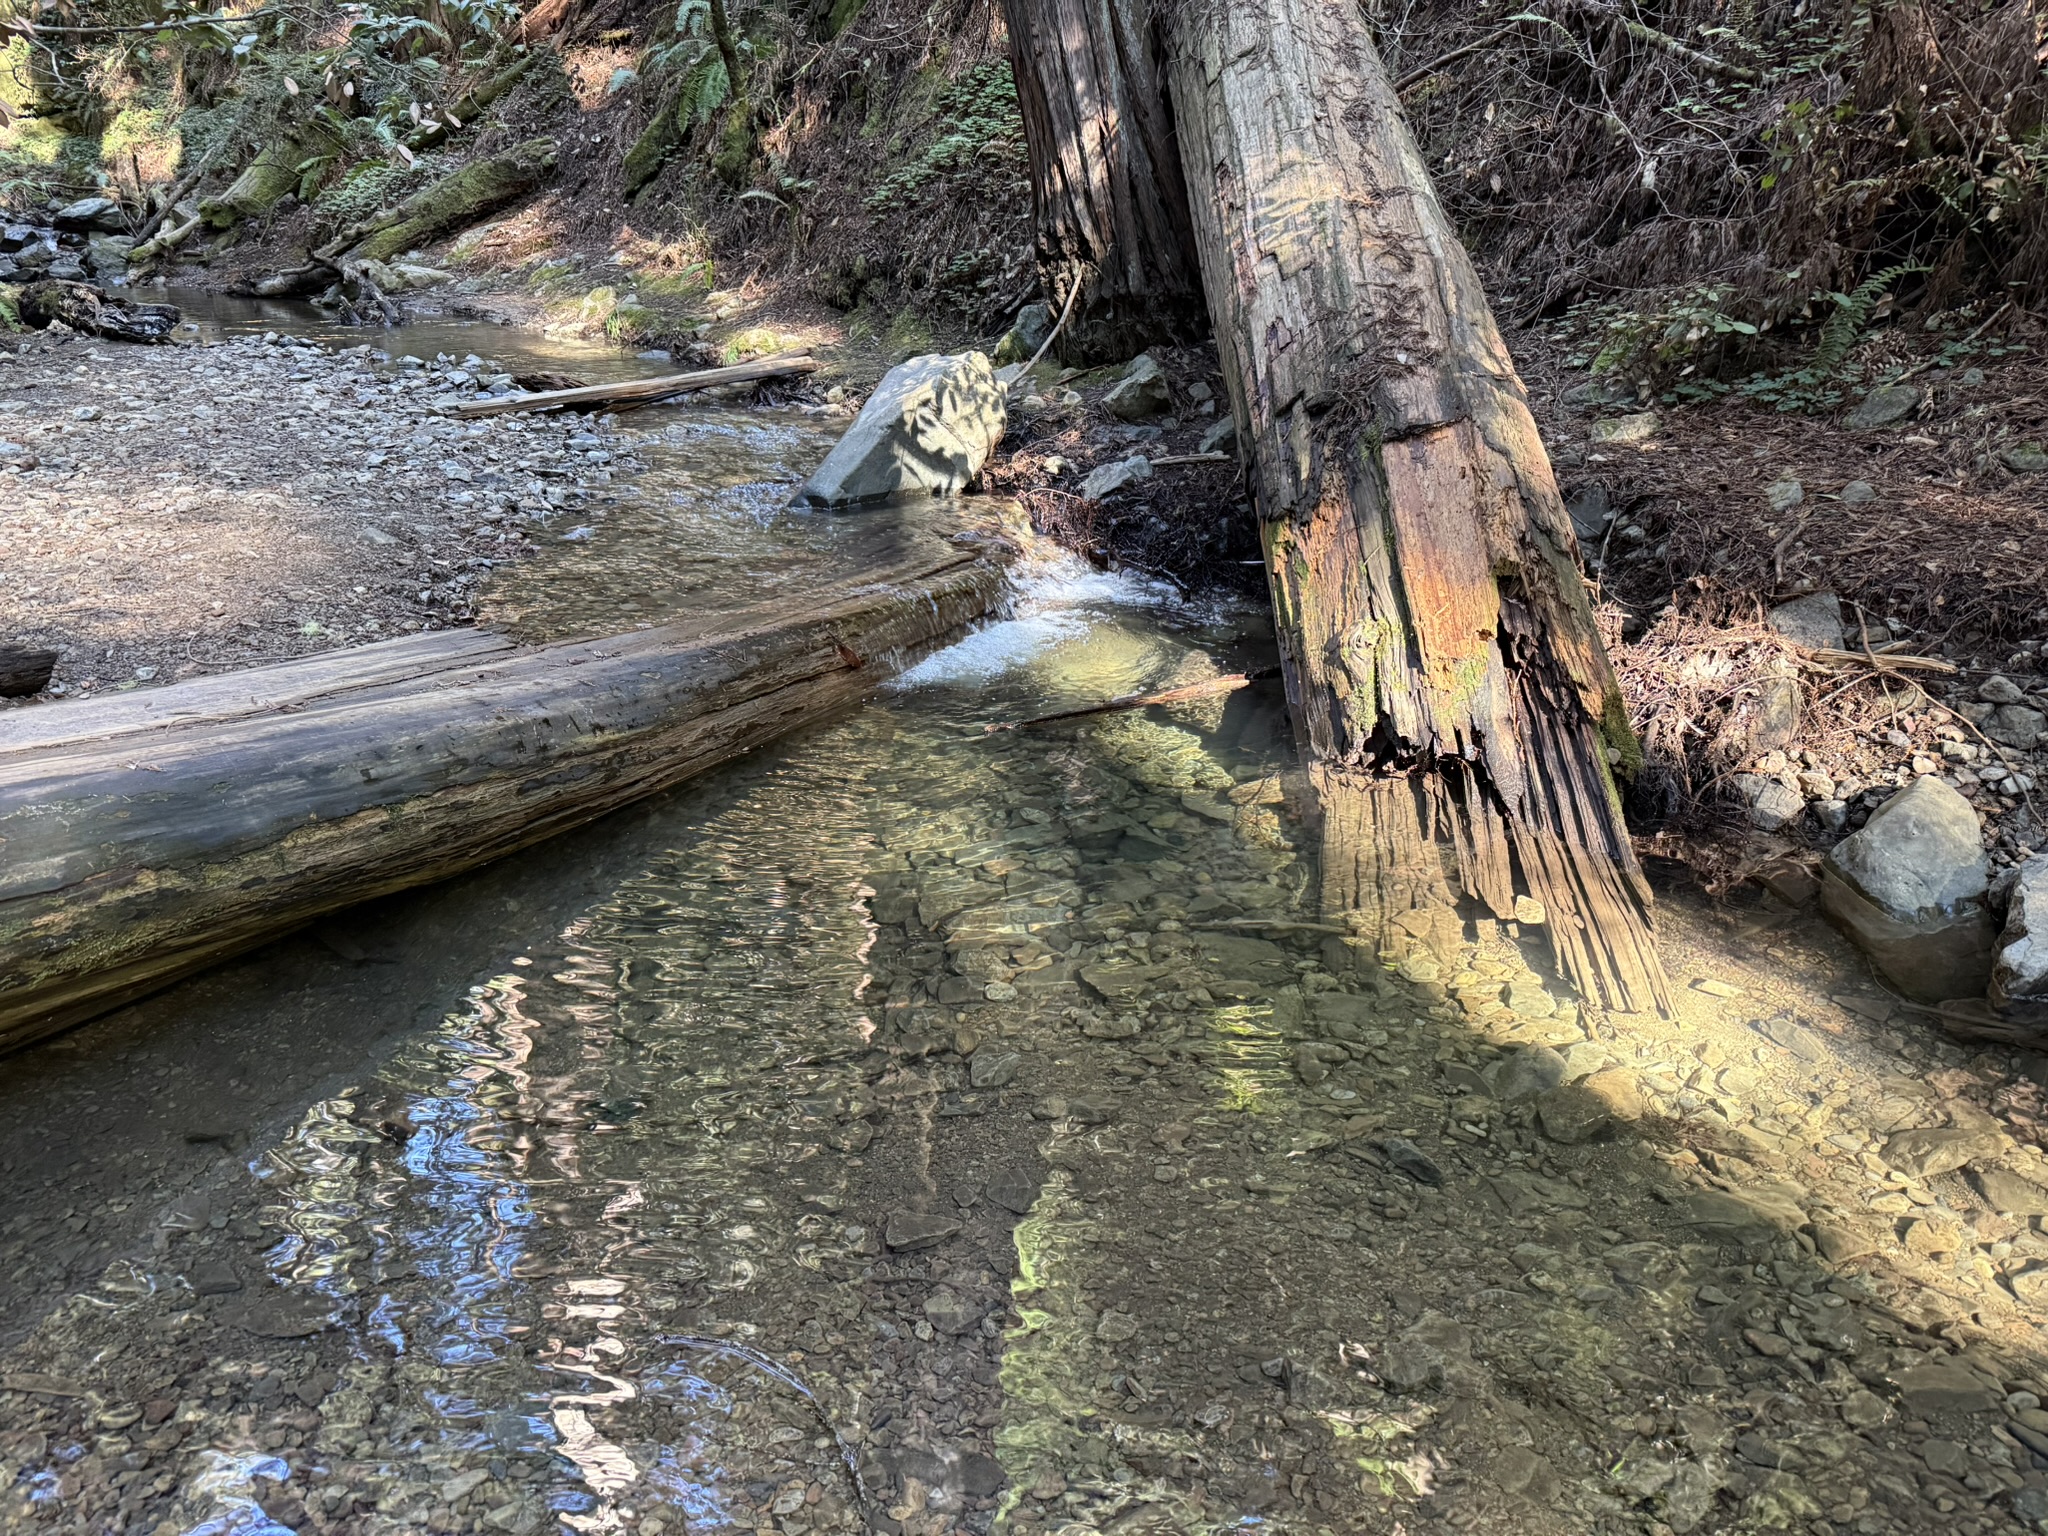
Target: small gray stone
1104,479
1141,393
1411,1160
1864,1410
214,1279
908,1231
1771,803
1814,621
1220,435
1858,493
89,213
1784,495
992,1069
950,1312
1883,407
1015,1191
2000,689
2026,459
1591,512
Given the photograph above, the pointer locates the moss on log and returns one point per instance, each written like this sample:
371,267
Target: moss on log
455,201
261,186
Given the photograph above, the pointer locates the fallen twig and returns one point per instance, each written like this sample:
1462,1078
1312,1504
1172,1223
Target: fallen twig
1228,683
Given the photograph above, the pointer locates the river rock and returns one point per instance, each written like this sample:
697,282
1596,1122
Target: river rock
1943,1386
1883,407
2026,459
1814,621
1910,889
1141,393
88,213
1023,339
2015,725
1614,430
107,255
1527,1074
2019,974
928,428
1220,436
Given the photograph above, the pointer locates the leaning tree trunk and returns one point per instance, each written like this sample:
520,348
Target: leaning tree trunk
1440,650
1106,184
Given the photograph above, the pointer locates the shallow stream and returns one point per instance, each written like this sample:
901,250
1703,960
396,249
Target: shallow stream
918,1128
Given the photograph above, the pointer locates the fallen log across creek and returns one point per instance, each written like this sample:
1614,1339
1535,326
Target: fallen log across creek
634,392
146,836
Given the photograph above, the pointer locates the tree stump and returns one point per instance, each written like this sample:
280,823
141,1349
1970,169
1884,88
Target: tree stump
1105,175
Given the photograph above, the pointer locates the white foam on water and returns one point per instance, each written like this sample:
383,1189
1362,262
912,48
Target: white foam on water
1056,598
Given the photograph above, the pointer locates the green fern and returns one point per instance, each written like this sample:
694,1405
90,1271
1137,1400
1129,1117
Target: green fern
1845,327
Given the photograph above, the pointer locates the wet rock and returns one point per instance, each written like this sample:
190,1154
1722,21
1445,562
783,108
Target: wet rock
950,1312
1015,1191
1116,1328
1754,1212
929,427
1864,1410
1114,476
2009,1193
1591,1107
214,1279
1118,983
1411,1364
908,1231
2015,725
1910,889
1883,407
1943,1386
1814,621
1142,393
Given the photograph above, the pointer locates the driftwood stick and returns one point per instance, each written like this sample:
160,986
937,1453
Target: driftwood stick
1230,682
638,391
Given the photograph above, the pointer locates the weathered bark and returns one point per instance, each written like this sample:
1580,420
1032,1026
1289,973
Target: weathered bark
85,309
24,670
265,180
155,833
1106,185
1441,654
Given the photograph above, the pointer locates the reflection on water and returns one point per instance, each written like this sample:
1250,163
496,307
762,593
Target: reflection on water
212,316
615,1231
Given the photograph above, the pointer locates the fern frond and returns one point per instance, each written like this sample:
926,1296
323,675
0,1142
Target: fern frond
1845,327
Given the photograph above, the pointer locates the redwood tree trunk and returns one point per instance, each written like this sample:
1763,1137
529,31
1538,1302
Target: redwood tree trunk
1440,649
1105,173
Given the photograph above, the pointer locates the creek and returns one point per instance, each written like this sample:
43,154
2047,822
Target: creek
913,1128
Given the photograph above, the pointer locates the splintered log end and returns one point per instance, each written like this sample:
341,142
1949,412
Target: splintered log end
24,671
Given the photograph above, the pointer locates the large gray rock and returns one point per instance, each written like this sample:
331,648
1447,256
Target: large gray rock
928,428
91,213
1910,889
1141,393
2019,975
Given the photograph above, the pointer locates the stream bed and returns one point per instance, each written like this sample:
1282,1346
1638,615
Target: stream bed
917,1128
